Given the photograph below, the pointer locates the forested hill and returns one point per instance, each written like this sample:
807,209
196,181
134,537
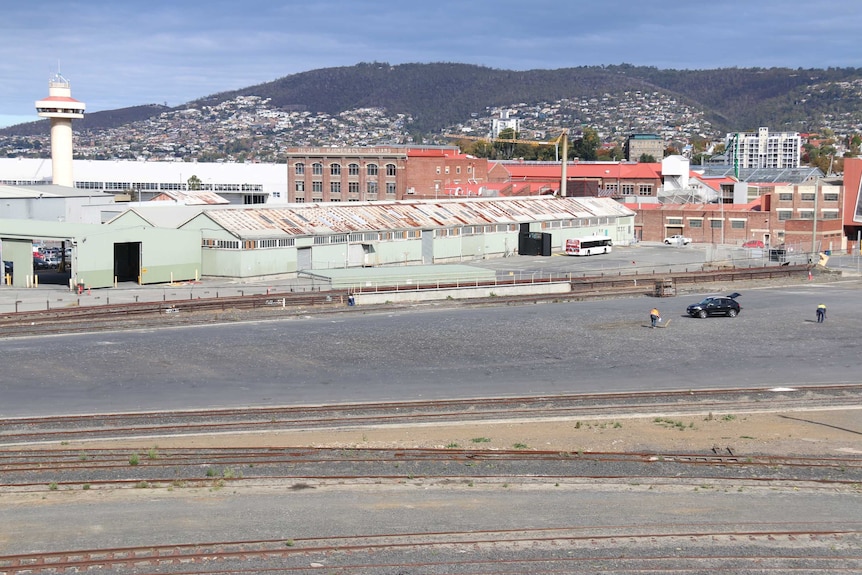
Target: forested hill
442,94
437,95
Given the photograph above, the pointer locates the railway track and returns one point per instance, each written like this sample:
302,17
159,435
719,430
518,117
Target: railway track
58,429
99,469
765,548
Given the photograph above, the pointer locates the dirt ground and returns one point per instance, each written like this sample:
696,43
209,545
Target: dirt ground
822,433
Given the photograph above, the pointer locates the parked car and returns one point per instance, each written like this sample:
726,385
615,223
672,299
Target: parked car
40,263
715,305
754,244
677,240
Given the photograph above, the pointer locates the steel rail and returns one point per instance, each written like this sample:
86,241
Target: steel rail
574,547
152,424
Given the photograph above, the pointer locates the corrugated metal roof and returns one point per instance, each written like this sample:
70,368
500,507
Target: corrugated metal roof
334,218
190,197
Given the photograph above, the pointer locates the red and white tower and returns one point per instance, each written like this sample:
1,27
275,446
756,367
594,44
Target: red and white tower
61,108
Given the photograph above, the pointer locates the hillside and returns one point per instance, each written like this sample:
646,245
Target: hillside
438,95
422,101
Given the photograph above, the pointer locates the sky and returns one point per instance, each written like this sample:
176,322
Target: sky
118,54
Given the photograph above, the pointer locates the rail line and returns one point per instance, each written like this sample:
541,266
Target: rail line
15,431
774,548
115,468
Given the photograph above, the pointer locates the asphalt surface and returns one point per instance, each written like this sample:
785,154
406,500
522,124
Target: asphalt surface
437,351
53,290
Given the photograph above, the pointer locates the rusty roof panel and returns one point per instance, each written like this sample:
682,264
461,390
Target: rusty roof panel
341,218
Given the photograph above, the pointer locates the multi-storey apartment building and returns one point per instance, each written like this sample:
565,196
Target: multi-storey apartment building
763,150
504,122
640,145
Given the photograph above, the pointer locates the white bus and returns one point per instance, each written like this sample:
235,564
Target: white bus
589,245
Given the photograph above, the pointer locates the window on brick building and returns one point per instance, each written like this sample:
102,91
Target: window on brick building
299,169
807,196
334,187
317,187
695,223
390,188
716,224
628,189
371,187
830,197
737,224
644,189
334,169
353,187
299,186
353,169
390,169
806,214
785,196
317,169
784,214
371,169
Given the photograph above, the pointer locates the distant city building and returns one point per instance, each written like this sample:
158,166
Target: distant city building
746,150
504,122
640,145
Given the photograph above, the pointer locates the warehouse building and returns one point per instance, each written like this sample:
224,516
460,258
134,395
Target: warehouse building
264,241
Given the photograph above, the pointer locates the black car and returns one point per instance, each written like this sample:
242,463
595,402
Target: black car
715,305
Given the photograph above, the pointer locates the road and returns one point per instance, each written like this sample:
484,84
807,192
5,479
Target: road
436,351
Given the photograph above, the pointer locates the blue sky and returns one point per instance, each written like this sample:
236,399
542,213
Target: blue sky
118,54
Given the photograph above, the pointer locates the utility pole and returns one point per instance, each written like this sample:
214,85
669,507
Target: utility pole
814,222
565,137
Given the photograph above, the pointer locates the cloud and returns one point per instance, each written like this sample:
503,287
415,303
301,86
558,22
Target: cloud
120,54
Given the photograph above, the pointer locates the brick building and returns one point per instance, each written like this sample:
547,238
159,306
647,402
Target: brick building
322,174
618,180
779,215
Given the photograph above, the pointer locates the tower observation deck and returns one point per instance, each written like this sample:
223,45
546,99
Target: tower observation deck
61,109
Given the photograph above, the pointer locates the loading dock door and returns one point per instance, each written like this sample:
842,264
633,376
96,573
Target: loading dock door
427,246
127,262
355,255
303,259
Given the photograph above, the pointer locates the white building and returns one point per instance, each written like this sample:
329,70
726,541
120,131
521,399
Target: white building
504,122
746,150
244,183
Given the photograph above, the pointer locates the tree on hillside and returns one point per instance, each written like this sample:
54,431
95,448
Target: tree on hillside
585,147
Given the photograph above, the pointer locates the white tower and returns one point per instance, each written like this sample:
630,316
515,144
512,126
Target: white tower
61,108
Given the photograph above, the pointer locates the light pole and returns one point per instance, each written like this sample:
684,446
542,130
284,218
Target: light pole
814,219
